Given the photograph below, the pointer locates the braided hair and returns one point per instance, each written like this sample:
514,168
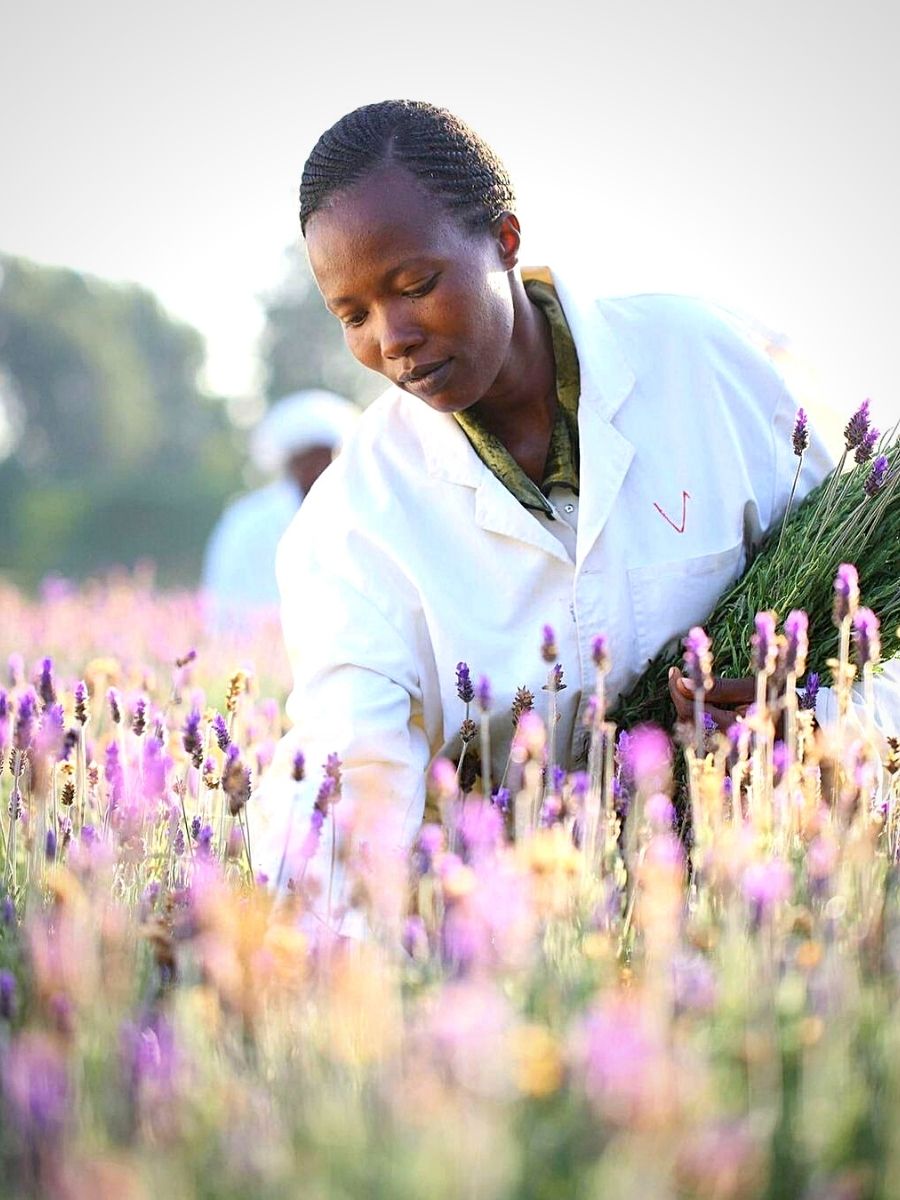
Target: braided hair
442,152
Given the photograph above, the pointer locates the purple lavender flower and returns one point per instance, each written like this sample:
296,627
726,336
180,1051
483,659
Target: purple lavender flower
46,689
811,691
186,658
139,716
483,694
37,1087
464,688
51,735
235,780
70,741
549,649
556,679
766,884
4,705
846,592
204,841
178,845
115,705
866,447
801,433
193,743
298,767
154,768
88,835
26,719
220,732
114,775
857,427
7,912
502,799
698,658
877,477
332,769
8,999
866,635
195,827
764,643
796,631
325,795
600,653
81,702
16,669
50,845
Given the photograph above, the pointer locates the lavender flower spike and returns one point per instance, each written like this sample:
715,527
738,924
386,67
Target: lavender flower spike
220,732
483,694
866,635
549,649
796,629
764,643
857,427
26,718
464,688
46,690
811,691
846,592
866,447
698,658
600,653
877,476
801,433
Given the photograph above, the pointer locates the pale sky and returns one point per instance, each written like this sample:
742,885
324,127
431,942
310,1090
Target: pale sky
742,152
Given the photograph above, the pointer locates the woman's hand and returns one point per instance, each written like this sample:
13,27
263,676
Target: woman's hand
726,699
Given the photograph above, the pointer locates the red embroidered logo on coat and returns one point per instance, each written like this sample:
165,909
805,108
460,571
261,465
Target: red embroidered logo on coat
685,496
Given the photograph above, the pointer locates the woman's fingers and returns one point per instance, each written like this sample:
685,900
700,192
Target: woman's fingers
724,692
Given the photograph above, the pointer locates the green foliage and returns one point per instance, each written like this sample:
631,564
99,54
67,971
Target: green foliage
119,456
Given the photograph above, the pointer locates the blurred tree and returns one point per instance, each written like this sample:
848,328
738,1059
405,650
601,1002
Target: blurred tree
109,453
302,344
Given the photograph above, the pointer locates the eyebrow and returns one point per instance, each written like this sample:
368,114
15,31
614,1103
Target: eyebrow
392,273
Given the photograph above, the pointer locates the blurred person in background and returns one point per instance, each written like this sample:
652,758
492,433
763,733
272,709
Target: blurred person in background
295,441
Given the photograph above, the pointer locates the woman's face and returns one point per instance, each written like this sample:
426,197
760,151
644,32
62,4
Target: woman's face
423,301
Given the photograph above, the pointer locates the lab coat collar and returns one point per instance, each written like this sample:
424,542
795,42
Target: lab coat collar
606,381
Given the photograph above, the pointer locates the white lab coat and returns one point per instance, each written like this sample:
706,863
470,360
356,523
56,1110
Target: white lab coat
409,555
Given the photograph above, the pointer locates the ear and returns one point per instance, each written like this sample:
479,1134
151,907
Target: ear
508,236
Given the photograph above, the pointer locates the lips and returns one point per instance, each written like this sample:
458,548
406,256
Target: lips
420,372
426,379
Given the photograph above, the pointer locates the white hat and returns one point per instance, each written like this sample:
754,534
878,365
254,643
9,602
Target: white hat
297,422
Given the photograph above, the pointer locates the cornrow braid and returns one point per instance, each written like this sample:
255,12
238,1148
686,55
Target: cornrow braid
440,150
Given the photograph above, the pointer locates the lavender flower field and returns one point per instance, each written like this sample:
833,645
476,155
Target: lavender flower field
554,997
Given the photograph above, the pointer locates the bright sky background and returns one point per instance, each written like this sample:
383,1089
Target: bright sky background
742,151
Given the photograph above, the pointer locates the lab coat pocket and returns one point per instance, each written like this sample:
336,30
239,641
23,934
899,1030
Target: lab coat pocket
670,597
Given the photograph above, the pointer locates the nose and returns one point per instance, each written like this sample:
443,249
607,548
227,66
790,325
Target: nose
400,334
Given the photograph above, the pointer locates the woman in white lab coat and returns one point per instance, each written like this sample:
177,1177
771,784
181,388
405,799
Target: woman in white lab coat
489,492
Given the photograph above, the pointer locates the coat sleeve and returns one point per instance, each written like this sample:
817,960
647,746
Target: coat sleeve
355,694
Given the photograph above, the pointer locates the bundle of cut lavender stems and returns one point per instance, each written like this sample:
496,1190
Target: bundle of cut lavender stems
853,516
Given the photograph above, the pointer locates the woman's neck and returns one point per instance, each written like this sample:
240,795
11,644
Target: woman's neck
520,406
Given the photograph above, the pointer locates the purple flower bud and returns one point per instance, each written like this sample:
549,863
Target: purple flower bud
846,592
50,845
764,644
26,719
811,691
877,477
51,736
557,779
179,842
88,835
81,700
298,767
235,780
46,690
549,649
502,799
555,680
857,427
204,841
483,694
464,688
796,631
866,635
801,433
325,795
866,447
7,912
220,732
193,743
698,658
186,658
600,653
7,996
139,716
4,705
115,705
195,827
332,769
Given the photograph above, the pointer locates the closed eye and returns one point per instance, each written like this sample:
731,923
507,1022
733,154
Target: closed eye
353,321
423,288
